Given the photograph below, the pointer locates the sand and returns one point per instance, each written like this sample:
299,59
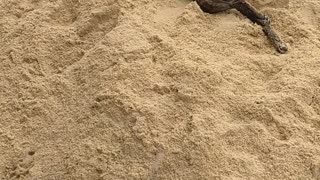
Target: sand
155,90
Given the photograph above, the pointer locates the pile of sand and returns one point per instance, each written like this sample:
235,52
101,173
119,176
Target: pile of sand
156,89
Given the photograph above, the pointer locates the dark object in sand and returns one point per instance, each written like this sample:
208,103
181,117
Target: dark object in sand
245,8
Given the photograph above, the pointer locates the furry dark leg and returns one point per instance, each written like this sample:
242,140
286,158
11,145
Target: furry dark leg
275,39
256,17
251,13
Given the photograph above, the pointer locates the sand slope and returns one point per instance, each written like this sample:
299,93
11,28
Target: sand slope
142,89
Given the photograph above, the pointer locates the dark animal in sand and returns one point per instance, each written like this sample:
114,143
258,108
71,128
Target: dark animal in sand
245,8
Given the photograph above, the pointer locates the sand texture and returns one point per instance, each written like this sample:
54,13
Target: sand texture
157,90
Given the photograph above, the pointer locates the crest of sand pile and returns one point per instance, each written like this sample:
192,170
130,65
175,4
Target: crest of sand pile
142,89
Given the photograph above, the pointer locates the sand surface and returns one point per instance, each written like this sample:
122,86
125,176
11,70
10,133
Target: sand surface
156,90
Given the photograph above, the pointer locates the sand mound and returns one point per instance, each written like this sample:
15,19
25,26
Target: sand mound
154,89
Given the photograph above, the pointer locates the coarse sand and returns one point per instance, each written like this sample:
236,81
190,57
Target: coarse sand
157,90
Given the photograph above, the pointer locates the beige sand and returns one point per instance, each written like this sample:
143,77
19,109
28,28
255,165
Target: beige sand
156,89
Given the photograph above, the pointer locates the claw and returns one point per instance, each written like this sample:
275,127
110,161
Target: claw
282,48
